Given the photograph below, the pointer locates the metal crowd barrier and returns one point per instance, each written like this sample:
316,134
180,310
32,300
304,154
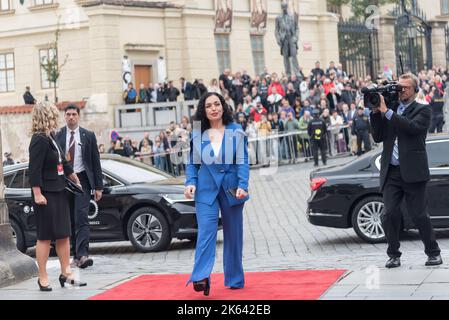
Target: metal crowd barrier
263,149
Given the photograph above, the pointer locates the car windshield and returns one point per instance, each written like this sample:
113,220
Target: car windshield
131,173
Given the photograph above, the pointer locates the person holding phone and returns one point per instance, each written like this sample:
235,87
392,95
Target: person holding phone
217,176
47,170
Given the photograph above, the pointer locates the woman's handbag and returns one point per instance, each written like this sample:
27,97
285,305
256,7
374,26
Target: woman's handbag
72,187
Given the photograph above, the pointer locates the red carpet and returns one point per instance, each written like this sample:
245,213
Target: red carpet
279,285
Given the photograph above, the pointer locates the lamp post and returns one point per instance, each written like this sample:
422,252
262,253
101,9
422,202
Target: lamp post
14,265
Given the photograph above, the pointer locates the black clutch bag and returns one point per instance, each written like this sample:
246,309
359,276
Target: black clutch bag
72,187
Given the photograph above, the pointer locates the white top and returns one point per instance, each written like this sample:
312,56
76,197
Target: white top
78,165
216,146
216,140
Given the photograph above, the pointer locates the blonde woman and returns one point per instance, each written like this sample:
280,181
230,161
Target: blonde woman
47,168
214,87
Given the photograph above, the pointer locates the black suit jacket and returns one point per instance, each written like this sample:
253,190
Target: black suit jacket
90,154
43,165
411,131
188,92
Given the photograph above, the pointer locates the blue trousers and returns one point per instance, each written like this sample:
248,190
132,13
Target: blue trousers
232,220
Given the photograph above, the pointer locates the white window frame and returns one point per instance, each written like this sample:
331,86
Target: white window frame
8,5
6,71
223,48
258,55
45,83
444,9
43,2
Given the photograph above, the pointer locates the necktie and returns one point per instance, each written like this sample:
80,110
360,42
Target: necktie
72,148
401,110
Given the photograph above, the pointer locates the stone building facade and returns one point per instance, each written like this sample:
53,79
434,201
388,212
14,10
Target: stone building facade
160,38
435,13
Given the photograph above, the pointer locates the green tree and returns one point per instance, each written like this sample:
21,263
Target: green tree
358,7
52,65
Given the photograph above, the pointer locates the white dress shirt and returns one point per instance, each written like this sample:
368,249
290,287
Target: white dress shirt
78,165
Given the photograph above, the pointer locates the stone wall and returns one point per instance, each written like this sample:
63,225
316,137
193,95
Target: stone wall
16,131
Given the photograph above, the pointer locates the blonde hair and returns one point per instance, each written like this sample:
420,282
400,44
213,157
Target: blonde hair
410,76
44,118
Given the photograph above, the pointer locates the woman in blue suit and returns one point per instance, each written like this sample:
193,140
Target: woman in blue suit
217,178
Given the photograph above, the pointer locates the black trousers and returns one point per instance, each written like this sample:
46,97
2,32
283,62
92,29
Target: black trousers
322,145
396,190
79,213
363,136
437,123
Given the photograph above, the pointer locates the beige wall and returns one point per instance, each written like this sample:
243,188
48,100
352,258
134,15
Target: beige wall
16,131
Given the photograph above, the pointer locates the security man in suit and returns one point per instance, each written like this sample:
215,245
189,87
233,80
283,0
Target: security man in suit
187,89
404,168
361,129
317,132
81,150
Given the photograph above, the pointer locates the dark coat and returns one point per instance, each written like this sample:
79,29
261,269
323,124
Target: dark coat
411,131
43,165
28,98
91,156
188,91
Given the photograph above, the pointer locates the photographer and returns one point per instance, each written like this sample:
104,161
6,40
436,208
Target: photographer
404,168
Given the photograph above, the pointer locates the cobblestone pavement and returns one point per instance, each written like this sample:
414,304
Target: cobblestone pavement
277,236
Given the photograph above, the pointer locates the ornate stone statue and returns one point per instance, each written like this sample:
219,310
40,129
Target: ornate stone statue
287,33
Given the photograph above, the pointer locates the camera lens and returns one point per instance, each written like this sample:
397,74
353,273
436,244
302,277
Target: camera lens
374,100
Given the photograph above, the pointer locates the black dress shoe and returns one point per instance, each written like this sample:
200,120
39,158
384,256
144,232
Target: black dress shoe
42,288
434,261
202,285
393,263
85,262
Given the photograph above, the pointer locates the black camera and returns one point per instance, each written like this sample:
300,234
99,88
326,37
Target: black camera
389,90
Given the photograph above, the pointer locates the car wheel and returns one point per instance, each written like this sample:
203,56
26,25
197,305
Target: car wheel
148,230
367,219
17,236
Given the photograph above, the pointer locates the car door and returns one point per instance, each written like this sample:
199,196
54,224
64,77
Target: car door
104,216
438,187
18,198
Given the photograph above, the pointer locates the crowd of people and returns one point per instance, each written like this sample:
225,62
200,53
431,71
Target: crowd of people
280,107
269,105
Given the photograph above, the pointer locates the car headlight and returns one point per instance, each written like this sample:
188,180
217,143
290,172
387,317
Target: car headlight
175,198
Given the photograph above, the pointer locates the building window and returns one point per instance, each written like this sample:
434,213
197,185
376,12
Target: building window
223,51
444,7
5,5
258,53
43,2
7,77
333,8
46,55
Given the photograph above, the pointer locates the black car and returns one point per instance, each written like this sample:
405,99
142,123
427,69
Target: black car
348,196
140,203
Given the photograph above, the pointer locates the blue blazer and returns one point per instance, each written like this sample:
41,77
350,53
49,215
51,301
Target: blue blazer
229,169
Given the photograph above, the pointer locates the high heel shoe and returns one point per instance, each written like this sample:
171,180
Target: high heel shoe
42,288
63,280
202,285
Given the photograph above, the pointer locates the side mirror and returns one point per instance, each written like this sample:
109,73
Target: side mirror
107,190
